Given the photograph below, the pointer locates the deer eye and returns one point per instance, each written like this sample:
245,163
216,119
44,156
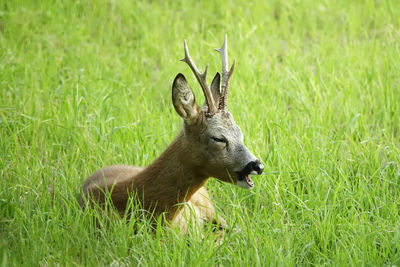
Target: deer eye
219,140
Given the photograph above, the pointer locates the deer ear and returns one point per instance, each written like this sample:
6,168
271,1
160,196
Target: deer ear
216,88
184,100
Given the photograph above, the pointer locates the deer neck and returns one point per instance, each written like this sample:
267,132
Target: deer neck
170,180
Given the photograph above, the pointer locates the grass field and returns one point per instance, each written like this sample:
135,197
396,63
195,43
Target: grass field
316,92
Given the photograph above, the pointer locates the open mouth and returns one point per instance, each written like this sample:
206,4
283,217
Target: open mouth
248,180
243,176
244,179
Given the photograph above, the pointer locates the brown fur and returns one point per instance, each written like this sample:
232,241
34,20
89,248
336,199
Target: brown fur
162,187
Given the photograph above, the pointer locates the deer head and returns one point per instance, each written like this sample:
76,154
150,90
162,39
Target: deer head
215,141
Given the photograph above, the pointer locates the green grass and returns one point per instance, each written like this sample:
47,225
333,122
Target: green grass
316,92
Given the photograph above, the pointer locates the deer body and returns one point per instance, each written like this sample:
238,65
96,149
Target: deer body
210,145
169,181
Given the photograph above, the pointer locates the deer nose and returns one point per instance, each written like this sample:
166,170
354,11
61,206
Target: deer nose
256,167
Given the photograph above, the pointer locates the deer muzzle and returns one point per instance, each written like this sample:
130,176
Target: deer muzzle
252,168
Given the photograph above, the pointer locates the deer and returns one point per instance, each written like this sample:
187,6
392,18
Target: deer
210,144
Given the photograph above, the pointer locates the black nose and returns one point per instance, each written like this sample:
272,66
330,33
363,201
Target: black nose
257,166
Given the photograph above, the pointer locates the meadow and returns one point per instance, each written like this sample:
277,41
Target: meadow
316,92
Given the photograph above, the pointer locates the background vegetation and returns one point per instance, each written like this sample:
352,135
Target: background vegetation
316,92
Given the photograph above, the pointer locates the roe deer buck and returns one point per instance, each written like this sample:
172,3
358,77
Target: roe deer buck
210,145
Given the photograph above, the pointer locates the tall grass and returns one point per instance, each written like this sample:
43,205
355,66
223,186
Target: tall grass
316,92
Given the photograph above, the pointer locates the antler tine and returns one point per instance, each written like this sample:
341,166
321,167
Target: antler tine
226,75
202,79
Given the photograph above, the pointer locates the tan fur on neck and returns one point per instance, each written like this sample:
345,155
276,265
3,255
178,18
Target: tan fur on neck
169,181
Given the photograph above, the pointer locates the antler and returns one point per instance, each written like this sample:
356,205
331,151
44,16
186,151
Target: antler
226,75
202,79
